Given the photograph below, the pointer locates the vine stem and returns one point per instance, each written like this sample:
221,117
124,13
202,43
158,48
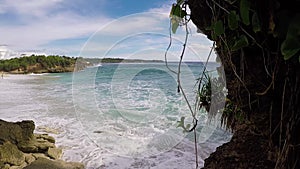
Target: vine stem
168,48
180,89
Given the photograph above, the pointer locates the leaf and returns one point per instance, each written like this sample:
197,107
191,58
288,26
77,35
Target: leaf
233,20
244,11
255,23
290,47
181,122
188,127
177,11
175,24
240,43
299,59
218,28
180,2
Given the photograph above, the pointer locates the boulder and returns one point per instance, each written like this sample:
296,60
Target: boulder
16,133
53,164
54,153
10,154
40,155
29,158
38,144
45,137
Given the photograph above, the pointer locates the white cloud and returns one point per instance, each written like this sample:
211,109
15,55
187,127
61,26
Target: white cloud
38,8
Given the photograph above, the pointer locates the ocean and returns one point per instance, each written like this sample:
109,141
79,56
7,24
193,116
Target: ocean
115,116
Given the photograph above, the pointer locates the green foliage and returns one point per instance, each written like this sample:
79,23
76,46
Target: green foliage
177,14
181,124
244,11
232,115
233,19
241,42
218,28
291,45
112,60
44,62
255,23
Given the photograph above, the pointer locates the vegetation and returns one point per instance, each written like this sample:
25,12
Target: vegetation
38,64
258,43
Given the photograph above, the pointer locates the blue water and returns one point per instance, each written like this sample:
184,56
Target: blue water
115,115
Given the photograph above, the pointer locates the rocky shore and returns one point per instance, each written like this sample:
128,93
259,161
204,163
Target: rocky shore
21,148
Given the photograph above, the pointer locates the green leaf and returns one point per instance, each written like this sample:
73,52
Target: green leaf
290,47
255,23
175,24
299,59
177,11
240,43
181,122
218,28
180,2
233,20
244,11
188,126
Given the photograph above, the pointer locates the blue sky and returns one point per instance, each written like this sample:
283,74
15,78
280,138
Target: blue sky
94,28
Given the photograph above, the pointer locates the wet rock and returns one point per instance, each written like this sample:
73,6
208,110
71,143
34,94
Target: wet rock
48,130
37,145
10,154
54,153
45,137
53,164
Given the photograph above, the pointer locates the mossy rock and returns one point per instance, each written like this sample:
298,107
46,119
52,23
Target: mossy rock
53,164
10,154
16,133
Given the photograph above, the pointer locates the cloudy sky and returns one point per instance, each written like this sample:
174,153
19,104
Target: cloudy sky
95,28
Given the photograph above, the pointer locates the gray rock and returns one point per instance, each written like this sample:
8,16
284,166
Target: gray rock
42,163
54,153
10,154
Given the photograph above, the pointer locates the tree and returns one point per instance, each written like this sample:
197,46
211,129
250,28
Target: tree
258,43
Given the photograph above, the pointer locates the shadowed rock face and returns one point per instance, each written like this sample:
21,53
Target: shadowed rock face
20,147
16,133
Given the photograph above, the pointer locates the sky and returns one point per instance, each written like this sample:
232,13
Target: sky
135,29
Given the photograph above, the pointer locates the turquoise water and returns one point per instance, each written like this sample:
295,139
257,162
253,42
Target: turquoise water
115,115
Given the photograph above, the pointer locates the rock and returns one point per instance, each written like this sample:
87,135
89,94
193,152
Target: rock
29,158
45,137
48,130
40,155
19,167
16,133
38,144
54,153
42,163
5,166
10,154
